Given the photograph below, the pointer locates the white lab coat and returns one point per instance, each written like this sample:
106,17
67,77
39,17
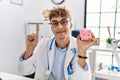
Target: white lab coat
38,62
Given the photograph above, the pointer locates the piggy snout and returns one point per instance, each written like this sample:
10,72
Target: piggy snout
85,34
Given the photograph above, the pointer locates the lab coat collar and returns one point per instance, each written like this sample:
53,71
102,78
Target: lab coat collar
71,45
69,54
51,53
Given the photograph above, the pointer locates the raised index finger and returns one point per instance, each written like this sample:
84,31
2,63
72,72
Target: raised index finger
37,28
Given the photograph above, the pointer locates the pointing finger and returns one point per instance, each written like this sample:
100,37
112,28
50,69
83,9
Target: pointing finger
37,28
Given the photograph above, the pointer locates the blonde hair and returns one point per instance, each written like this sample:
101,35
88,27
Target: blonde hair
59,12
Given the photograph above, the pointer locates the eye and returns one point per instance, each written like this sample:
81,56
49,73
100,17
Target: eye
64,22
54,23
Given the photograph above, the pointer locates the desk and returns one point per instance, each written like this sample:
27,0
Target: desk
9,76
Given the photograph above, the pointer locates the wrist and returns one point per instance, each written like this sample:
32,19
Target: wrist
28,52
27,55
30,48
81,51
82,57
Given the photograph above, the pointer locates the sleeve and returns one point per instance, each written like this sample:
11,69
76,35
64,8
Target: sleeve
80,73
26,67
21,57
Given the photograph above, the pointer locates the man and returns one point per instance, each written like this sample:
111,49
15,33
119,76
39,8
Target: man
57,58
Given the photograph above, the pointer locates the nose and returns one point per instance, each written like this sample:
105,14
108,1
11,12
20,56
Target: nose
59,25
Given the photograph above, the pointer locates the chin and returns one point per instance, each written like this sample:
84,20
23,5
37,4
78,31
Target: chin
62,37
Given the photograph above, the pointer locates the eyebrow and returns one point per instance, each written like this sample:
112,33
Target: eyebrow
57,20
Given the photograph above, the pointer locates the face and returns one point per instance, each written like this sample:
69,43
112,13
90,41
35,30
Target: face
61,27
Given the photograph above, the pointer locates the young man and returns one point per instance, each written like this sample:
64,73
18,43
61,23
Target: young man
59,58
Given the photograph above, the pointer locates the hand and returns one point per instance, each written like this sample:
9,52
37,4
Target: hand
32,39
83,45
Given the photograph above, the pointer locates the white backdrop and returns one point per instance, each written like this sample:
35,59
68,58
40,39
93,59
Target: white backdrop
12,26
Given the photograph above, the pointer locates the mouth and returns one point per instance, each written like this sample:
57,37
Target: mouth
61,32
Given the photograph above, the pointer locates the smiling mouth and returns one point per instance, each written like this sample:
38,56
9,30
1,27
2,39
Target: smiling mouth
61,32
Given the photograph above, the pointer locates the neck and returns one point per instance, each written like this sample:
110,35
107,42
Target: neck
63,43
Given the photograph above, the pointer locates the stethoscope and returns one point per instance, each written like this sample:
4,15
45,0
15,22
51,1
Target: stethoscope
70,67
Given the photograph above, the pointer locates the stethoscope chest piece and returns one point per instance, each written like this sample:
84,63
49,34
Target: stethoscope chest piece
47,72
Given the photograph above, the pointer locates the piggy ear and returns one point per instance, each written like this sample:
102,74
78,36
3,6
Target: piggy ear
89,31
84,29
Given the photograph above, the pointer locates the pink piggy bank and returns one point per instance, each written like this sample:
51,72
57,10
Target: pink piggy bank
85,34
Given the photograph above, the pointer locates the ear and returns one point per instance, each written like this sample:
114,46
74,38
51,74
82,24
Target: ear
89,31
71,26
51,28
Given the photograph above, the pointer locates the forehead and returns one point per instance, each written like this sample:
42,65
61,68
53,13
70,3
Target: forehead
58,18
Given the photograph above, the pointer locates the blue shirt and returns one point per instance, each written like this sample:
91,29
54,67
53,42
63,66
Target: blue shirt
58,65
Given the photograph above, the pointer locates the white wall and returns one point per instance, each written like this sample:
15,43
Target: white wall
76,8
12,26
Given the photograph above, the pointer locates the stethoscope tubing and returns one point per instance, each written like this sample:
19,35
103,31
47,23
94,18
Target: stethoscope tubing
70,67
